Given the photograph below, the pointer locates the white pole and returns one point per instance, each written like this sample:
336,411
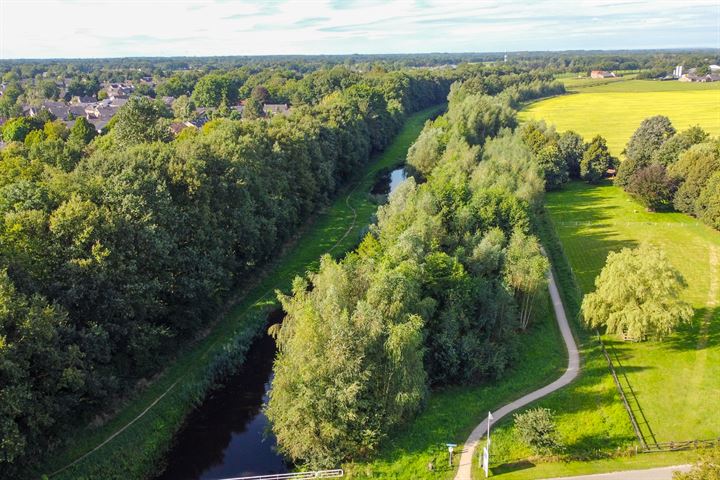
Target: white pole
490,417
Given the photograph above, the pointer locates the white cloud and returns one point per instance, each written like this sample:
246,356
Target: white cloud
100,28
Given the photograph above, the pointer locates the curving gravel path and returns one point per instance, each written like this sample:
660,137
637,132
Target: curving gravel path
465,470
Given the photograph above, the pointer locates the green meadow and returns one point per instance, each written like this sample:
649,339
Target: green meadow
672,386
615,108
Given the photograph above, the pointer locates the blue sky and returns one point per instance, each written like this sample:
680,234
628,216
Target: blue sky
99,28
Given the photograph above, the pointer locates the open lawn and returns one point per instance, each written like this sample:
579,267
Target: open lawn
452,413
614,109
677,382
673,386
137,448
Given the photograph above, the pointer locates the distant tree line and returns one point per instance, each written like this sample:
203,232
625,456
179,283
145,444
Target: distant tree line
435,294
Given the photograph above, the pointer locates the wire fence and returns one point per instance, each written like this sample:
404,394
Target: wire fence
647,441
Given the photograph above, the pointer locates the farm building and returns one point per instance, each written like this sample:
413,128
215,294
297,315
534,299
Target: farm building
601,74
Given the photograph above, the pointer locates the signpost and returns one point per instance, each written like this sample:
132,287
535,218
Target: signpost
485,464
450,446
486,460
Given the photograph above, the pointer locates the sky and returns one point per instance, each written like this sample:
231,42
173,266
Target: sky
103,28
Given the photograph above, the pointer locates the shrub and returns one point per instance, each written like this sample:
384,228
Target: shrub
536,427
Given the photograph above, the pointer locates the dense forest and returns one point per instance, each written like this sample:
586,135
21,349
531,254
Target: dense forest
117,249
440,288
29,82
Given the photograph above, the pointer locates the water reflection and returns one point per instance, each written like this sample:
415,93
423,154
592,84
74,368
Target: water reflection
226,435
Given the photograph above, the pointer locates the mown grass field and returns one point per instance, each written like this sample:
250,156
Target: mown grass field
137,450
614,109
675,383
452,413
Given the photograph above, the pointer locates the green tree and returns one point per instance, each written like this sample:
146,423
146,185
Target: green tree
637,294
253,108
334,400
144,89
707,205
650,135
48,89
694,168
536,427
572,148
16,129
141,120
670,151
652,187
644,143
41,370
82,132
596,160
183,108
553,165
524,272
212,89
426,151
537,135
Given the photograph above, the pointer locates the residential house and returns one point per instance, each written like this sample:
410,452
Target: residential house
59,109
602,74
82,99
693,77
119,90
271,109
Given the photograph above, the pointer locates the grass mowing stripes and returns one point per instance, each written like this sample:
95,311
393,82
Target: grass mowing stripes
135,453
676,382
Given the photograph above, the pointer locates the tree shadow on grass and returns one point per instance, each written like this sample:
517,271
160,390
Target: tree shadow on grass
512,466
691,336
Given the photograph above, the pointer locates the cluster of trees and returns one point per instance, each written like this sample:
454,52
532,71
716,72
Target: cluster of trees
115,250
567,156
434,295
665,169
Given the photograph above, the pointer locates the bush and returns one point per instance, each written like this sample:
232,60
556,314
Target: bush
536,427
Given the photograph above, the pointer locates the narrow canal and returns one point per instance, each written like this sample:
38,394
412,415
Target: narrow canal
228,435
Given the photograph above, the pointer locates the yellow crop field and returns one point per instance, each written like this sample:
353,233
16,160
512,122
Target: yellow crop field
614,110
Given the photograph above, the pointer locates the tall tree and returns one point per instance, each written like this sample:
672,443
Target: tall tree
553,165
572,148
524,272
644,143
596,160
638,294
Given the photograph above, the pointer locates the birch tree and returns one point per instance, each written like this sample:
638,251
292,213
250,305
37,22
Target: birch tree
524,272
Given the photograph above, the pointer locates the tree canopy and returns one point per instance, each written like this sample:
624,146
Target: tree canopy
637,294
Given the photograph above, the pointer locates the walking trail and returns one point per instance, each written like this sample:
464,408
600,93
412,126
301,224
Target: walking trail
465,470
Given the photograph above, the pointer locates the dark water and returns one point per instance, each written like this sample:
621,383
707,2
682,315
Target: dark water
389,181
226,435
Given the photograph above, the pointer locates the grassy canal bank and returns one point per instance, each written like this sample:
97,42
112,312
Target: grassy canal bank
131,444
